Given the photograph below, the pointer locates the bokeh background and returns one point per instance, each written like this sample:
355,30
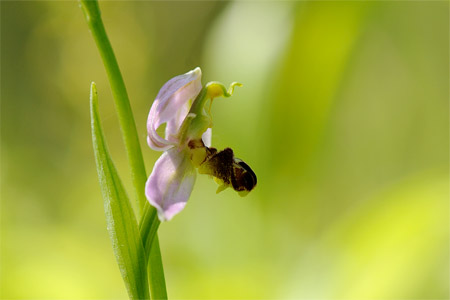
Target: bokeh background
344,117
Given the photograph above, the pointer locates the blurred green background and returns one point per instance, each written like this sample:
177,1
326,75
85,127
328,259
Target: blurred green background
344,117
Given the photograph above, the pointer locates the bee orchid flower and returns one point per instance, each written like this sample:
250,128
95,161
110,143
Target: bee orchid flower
180,104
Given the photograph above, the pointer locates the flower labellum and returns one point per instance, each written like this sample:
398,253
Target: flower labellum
187,143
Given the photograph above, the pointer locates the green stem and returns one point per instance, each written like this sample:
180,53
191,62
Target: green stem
129,133
148,228
126,119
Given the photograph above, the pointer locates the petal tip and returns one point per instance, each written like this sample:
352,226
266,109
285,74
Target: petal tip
197,71
168,213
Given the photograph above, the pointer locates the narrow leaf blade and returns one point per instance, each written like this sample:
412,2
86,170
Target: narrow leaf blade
148,227
121,221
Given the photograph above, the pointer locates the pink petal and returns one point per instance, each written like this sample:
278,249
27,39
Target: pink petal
169,186
171,106
173,125
155,141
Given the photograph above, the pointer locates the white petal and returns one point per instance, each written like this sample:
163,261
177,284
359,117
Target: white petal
171,104
170,184
206,137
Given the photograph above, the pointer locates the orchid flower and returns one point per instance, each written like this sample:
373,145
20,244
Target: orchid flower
180,104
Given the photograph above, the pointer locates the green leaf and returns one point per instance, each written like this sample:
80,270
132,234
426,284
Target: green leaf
92,14
121,221
148,227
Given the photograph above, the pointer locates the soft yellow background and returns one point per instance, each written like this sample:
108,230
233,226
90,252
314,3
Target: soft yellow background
343,116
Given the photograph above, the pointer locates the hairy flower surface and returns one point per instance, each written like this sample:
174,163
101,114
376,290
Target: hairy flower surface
180,105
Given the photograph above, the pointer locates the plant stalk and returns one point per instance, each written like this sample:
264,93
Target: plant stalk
129,133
